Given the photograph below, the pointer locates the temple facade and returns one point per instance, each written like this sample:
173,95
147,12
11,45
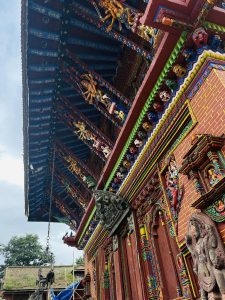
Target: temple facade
124,140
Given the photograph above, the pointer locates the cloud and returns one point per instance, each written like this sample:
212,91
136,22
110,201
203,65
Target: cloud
11,170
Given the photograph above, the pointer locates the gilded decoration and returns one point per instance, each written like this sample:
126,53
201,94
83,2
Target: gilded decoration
115,10
207,250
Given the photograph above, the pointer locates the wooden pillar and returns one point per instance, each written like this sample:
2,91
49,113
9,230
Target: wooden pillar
118,275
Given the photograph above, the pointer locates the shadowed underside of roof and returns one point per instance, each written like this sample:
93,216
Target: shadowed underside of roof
42,25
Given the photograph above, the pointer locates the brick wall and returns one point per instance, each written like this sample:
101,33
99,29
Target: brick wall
209,108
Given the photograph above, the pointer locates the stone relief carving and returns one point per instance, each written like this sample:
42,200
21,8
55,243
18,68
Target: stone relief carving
207,250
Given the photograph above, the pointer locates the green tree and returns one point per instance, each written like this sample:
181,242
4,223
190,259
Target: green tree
79,261
25,251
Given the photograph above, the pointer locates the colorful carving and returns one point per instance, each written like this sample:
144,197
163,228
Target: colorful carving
77,170
185,282
216,211
147,126
73,167
158,106
90,86
207,250
174,191
93,95
214,176
216,43
138,143
86,135
189,55
126,164
164,96
116,10
83,132
200,37
179,70
152,117
172,84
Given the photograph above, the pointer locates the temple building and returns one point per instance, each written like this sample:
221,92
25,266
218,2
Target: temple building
124,140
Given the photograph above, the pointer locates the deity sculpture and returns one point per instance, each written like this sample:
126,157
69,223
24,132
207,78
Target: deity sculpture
116,10
93,95
90,87
174,191
207,250
200,37
82,131
214,176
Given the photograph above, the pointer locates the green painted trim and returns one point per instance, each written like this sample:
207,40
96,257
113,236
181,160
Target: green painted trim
155,89
213,26
87,224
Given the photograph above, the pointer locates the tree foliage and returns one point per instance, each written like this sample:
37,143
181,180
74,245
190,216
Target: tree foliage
79,261
25,251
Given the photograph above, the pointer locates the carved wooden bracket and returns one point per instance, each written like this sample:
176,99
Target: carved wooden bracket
111,209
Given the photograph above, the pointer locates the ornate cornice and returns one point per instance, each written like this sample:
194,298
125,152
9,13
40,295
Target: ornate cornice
196,155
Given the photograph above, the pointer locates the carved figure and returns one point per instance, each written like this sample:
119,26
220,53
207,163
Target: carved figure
110,207
189,55
146,32
126,164
147,126
106,151
73,165
215,42
158,106
214,176
133,150
200,37
152,117
179,70
91,183
120,114
175,193
90,87
164,96
92,94
82,131
114,10
138,143
207,250
172,84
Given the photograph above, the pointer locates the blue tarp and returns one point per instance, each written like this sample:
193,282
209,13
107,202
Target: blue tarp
65,294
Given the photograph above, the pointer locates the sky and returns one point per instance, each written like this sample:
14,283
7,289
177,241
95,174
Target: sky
12,217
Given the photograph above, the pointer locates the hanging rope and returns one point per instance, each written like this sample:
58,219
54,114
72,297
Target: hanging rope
50,202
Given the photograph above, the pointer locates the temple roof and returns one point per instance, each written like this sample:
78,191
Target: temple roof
54,40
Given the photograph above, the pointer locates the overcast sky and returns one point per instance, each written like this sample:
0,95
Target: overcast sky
12,217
